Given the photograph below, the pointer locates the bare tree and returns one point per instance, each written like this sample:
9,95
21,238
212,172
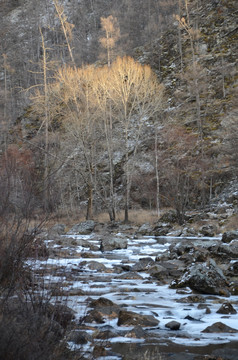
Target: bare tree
179,171
157,175
74,92
66,27
104,103
136,96
195,69
93,102
41,107
6,102
112,34
46,121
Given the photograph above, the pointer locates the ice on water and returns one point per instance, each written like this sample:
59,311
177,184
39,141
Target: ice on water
140,295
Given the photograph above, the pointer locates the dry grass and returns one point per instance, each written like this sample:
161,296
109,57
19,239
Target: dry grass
232,223
228,224
140,216
68,219
137,217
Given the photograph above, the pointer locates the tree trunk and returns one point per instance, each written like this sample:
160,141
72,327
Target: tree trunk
112,214
157,174
127,185
180,40
89,214
127,195
46,110
126,218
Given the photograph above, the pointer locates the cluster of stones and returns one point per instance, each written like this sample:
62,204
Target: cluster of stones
204,266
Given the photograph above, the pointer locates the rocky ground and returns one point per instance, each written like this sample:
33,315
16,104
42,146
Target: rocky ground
148,292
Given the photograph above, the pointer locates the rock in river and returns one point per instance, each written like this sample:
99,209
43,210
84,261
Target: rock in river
158,272
208,230
143,264
101,302
226,308
130,318
219,327
204,278
145,229
173,325
94,265
229,235
83,228
109,244
102,308
137,333
229,250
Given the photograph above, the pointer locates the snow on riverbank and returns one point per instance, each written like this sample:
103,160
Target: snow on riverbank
143,294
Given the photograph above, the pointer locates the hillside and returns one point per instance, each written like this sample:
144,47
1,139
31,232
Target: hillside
182,155
214,32
215,45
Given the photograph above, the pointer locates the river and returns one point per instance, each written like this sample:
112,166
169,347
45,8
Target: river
77,272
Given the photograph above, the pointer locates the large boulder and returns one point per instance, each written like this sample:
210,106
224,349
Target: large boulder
101,302
105,334
181,248
174,268
83,228
145,229
109,244
130,275
102,308
195,250
228,236
208,230
226,309
130,318
169,217
57,229
66,241
161,229
188,231
158,272
219,327
94,265
143,264
137,333
229,250
173,325
204,278
94,316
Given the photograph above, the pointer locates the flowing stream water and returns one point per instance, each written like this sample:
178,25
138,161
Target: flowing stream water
141,294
